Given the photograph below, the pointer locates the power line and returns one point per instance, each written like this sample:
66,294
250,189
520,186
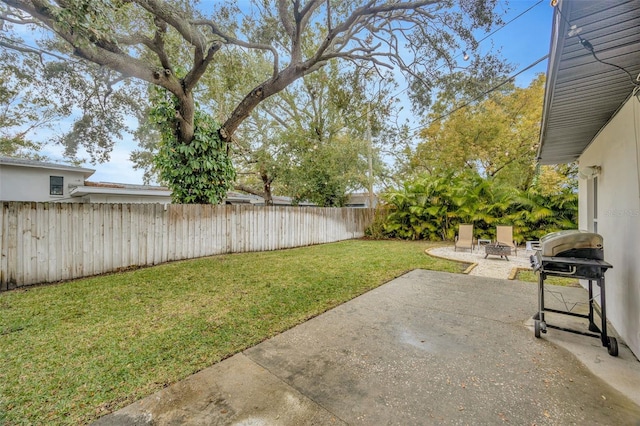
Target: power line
485,37
493,89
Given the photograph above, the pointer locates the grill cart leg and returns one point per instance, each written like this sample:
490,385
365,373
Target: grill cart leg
610,342
592,325
539,325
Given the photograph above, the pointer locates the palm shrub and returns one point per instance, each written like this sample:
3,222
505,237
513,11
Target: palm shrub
482,202
535,213
432,207
420,210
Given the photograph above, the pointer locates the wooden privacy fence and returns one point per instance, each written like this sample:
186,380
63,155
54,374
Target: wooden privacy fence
48,242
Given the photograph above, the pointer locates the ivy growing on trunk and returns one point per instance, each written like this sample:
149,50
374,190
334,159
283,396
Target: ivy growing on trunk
199,171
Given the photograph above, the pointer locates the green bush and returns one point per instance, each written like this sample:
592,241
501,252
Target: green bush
376,230
432,207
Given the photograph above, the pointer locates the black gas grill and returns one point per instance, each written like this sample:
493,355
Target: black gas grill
576,254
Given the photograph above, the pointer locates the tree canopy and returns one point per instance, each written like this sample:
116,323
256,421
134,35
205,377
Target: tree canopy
174,44
496,137
24,106
313,141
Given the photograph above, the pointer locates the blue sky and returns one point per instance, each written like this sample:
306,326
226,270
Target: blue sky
522,41
527,38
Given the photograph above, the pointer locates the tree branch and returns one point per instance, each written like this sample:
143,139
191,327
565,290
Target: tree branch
283,12
248,189
177,20
17,20
20,48
200,65
237,42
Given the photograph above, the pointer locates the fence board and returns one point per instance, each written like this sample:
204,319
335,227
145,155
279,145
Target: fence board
3,243
53,230
48,242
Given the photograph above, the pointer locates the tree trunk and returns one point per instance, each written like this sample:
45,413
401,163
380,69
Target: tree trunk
266,184
185,116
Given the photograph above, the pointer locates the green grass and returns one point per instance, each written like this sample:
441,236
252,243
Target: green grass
74,351
533,277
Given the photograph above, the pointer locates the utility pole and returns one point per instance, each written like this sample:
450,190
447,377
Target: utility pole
370,159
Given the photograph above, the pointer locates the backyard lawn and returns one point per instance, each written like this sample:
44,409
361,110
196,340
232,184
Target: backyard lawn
74,351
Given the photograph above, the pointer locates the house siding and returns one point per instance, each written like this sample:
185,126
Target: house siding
18,183
615,150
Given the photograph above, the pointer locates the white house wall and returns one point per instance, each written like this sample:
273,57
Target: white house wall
18,183
615,150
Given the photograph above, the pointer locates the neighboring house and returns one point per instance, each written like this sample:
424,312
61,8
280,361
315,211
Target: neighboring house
30,180
279,200
362,200
38,181
592,115
103,192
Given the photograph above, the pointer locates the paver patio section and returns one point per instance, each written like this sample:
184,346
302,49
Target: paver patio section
494,267
425,348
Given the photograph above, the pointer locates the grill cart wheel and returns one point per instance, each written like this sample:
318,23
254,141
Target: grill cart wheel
538,327
613,346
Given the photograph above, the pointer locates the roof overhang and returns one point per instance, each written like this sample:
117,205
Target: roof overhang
80,191
582,94
23,162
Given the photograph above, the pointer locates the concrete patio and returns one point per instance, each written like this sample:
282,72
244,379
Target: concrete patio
425,348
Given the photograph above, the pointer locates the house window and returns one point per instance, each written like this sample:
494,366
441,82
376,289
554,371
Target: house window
56,185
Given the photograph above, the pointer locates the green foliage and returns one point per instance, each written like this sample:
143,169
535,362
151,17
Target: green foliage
78,105
420,210
311,140
432,207
497,137
25,104
91,21
535,213
325,172
198,171
376,230
481,166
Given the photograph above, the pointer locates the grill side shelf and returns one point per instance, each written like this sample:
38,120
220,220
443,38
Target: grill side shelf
577,261
576,267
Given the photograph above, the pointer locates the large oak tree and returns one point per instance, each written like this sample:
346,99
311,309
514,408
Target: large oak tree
148,40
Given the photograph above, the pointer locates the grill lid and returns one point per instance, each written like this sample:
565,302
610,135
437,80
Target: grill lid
572,243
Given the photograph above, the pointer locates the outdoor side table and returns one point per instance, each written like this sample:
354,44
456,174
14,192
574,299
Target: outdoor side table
497,249
532,245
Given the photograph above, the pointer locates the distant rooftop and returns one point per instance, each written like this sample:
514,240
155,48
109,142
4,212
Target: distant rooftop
125,186
10,161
